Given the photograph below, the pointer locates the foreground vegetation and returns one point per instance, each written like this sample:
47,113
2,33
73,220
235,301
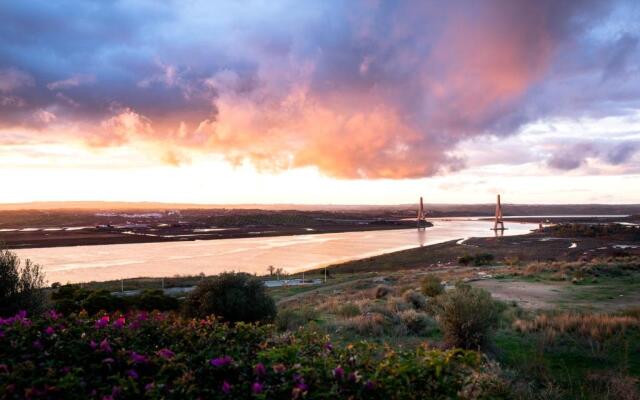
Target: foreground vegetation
165,356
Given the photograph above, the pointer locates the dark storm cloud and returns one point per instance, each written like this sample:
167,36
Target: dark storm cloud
358,89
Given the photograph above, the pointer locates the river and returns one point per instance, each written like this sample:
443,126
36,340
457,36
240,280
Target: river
292,253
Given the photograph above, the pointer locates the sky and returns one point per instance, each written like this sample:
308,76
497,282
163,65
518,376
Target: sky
320,102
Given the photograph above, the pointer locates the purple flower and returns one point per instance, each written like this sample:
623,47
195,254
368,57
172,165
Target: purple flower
119,323
4,369
102,322
226,387
256,387
37,344
133,374
105,346
338,373
1,332
328,346
259,369
22,314
49,330
53,314
166,354
369,385
93,345
149,386
221,361
138,358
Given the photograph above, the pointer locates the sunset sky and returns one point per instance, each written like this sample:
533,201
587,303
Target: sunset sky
341,102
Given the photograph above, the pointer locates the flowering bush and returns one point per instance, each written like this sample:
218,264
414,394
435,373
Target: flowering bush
156,355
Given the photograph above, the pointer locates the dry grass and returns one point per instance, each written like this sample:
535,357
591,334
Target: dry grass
591,326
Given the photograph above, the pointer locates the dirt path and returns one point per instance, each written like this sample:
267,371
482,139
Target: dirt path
529,295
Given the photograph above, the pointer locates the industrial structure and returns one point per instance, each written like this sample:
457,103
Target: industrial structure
422,219
498,224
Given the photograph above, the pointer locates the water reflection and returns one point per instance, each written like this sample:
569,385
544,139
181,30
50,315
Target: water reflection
253,255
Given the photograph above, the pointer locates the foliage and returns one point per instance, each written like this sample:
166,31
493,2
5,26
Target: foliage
73,298
165,356
478,259
20,285
234,297
290,319
467,316
431,285
416,299
382,291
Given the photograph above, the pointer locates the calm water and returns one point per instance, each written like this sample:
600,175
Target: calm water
292,253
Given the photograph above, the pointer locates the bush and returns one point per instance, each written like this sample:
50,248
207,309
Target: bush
234,297
478,260
348,310
382,291
151,300
103,300
467,316
20,286
431,285
418,323
163,356
289,319
416,299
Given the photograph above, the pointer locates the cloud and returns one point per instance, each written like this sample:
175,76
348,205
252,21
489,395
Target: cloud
357,89
73,81
12,79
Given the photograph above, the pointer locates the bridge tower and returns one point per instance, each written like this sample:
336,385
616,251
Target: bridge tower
421,219
498,224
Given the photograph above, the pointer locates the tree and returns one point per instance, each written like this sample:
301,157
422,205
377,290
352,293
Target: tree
233,297
20,285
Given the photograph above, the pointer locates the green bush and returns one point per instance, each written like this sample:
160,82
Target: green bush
416,299
103,300
20,285
290,319
151,300
483,259
234,297
163,356
431,285
467,316
418,323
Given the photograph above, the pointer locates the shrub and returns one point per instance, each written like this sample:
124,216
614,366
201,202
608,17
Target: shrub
483,259
103,300
465,260
366,325
431,285
382,291
467,316
290,319
155,300
163,356
349,310
234,297
20,286
418,323
416,299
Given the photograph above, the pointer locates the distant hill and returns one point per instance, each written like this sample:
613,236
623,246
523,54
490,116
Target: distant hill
434,209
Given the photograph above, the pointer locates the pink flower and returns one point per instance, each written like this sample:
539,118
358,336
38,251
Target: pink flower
93,345
105,346
49,330
338,373
256,387
119,323
221,361
102,322
166,354
226,387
